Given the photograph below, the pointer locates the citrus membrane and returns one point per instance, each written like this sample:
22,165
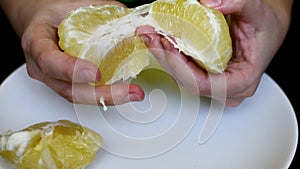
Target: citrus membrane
196,30
105,35
60,144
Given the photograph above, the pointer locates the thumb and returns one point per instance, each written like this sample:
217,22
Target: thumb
211,3
225,6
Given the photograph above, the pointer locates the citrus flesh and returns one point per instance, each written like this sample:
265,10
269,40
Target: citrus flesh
124,61
196,30
57,145
105,35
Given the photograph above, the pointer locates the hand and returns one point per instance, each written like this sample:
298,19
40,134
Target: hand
257,28
36,22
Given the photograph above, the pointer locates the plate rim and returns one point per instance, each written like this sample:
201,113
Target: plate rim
265,75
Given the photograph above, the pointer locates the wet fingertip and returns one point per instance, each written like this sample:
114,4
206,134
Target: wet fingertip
212,3
136,93
166,44
135,97
145,38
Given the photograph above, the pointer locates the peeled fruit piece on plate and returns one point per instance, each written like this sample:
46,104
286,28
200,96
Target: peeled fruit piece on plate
50,145
105,35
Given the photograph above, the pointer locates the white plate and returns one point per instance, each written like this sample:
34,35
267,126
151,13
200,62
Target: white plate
170,129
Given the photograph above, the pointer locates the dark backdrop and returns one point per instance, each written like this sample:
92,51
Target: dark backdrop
283,68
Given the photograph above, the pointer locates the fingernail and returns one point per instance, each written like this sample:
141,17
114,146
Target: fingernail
145,38
167,45
134,97
212,3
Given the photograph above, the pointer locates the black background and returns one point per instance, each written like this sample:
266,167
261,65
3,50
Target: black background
284,68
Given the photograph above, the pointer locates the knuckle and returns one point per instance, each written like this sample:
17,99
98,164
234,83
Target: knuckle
31,72
68,69
249,93
41,62
66,92
25,40
196,91
233,103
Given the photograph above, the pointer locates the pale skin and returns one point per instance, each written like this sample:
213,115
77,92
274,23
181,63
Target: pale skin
258,29
36,22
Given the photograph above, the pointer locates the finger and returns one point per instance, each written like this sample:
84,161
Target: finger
240,81
211,3
80,93
183,70
153,41
243,9
42,47
223,87
186,71
234,102
111,94
239,94
225,6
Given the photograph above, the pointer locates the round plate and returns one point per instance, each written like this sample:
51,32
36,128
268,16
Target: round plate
170,128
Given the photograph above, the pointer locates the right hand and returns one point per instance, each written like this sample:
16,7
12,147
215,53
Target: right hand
255,42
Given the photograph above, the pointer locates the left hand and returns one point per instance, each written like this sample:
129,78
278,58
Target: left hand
36,22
